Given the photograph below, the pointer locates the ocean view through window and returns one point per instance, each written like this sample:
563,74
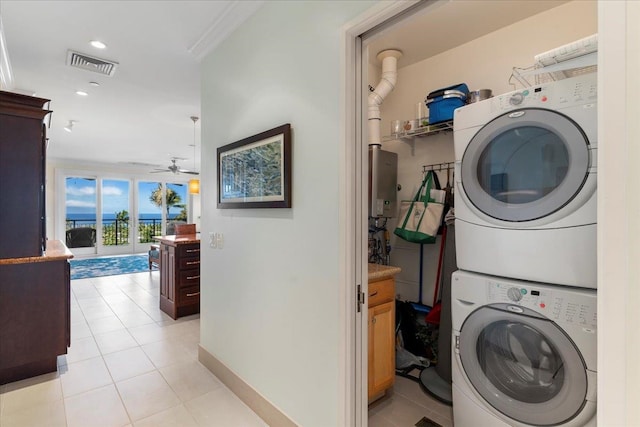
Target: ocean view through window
127,217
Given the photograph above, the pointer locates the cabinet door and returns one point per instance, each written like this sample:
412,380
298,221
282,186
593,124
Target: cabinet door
164,271
381,348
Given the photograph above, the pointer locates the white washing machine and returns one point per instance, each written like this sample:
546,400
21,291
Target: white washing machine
525,194
523,353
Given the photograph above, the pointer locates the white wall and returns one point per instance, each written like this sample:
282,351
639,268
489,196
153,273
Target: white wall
482,63
618,214
270,298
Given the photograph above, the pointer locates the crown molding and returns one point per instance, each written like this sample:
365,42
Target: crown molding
233,15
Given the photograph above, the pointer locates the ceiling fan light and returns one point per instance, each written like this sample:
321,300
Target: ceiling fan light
194,186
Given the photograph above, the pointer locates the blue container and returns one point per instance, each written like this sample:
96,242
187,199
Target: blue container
442,102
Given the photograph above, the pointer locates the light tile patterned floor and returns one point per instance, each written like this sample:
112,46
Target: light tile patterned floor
405,405
129,365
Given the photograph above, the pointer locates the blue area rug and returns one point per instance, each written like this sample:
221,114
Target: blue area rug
108,266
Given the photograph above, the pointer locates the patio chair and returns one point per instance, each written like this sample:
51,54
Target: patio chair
154,256
81,237
171,227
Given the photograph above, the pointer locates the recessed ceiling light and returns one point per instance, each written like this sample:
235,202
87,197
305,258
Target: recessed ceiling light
94,83
81,93
98,44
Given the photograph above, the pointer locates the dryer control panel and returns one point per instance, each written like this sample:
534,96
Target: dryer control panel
574,91
556,305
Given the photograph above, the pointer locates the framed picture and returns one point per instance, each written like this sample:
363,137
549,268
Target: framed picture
256,172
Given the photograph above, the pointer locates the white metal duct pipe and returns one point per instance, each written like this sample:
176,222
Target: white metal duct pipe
388,80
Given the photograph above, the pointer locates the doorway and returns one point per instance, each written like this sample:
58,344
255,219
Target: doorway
117,215
379,34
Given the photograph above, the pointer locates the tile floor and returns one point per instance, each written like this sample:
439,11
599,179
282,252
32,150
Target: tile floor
405,405
129,364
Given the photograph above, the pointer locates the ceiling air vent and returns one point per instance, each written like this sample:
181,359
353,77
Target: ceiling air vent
91,63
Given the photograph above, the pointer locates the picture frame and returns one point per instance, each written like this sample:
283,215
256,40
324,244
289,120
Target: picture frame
255,172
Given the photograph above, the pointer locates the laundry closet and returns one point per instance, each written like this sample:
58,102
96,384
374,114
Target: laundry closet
445,44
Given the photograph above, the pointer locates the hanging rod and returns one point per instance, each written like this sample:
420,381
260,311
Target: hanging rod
438,167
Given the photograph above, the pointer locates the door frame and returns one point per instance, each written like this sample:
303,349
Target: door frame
616,66
353,173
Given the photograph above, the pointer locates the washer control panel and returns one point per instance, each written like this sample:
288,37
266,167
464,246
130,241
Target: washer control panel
574,91
553,304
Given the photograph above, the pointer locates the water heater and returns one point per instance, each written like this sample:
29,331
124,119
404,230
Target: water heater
383,183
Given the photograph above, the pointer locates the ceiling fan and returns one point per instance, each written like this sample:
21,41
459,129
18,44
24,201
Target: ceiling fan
173,167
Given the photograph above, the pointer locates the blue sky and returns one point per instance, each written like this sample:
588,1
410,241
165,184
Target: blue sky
81,196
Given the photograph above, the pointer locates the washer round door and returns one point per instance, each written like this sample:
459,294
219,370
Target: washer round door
523,365
525,164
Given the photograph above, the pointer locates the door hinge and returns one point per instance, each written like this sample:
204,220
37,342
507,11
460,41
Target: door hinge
359,298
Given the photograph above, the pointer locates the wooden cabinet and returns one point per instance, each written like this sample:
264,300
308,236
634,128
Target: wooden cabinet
179,277
34,313
22,175
382,322
34,282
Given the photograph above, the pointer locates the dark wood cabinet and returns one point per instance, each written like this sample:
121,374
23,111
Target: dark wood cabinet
35,324
22,175
179,277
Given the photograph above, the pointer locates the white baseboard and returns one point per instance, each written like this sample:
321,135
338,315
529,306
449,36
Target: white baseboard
254,400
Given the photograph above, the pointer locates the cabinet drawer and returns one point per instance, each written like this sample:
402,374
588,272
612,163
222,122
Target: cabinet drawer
381,291
189,278
189,251
189,295
189,263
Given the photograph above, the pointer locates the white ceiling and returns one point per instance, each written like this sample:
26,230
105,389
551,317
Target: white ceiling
142,113
444,24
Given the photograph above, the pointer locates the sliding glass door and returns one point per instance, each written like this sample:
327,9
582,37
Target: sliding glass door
81,219
149,213
113,215
159,204
116,236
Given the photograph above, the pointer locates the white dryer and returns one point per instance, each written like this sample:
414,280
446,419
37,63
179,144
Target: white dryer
525,194
523,353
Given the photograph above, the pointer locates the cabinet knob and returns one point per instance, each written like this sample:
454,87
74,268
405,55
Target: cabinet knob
373,320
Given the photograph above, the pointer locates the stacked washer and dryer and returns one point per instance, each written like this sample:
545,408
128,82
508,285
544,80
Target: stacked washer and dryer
524,298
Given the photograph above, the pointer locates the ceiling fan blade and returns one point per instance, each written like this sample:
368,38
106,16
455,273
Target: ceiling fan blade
159,170
188,172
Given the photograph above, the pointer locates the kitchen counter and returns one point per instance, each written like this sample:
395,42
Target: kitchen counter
380,272
55,251
181,239
35,310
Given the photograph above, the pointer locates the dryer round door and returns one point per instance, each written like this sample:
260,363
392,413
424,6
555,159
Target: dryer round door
525,165
523,365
